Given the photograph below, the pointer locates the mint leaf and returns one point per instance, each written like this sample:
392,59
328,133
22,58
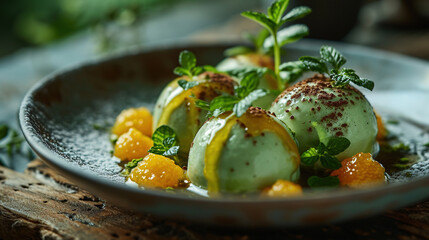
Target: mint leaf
4,129
337,145
182,71
363,82
243,71
248,84
202,104
292,34
188,64
197,71
329,161
157,149
288,35
347,75
169,142
314,64
341,77
187,84
161,133
239,50
165,143
296,13
317,182
130,165
332,56
292,66
241,107
260,18
209,68
310,157
276,10
171,151
291,71
222,104
187,59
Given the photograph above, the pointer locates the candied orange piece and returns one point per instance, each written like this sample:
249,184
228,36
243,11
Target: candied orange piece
157,171
138,118
382,132
283,188
360,171
132,144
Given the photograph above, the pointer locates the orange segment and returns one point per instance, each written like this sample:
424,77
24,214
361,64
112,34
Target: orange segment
157,171
138,118
382,132
131,145
360,171
283,188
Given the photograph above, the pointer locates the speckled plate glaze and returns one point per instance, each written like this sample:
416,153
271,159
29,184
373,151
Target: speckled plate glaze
58,114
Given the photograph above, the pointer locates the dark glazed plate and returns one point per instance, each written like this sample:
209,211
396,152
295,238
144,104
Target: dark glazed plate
57,118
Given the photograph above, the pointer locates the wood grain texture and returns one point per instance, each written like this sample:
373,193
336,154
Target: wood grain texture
40,204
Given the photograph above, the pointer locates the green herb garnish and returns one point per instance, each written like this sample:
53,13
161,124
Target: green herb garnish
130,165
244,95
329,56
188,65
187,84
4,129
393,122
317,182
106,126
426,144
11,145
401,166
165,143
326,150
12,140
291,71
273,21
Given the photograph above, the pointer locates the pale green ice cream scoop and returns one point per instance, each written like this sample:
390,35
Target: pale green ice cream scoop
176,107
342,112
246,154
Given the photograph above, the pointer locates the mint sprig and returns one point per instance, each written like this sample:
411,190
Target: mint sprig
188,65
165,143
273,21
244,95
326,153
291,71
319,182
332,59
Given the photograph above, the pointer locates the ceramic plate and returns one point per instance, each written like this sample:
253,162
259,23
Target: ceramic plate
57,118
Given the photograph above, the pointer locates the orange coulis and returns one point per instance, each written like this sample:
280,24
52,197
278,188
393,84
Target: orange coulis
361,170
283,188
157,171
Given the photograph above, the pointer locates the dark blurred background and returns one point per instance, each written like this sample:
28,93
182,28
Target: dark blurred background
401,25
39,37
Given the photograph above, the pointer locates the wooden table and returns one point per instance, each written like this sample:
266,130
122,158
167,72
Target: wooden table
40,204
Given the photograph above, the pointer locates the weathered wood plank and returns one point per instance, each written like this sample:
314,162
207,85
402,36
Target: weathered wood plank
40,204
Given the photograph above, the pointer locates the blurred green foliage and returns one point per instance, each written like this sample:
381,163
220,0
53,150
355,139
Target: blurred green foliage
41,22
